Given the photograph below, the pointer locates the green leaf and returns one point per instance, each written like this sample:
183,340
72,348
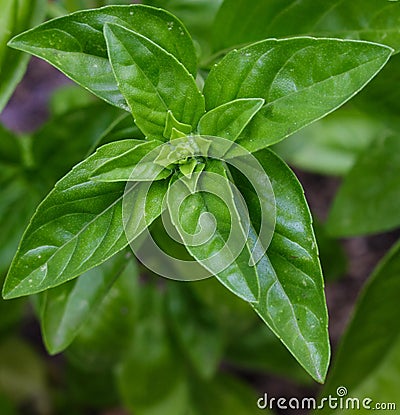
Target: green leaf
65,309
250,345
301,80
144,72
230,119
6,407
331,253
381,98
16,15
18,198
105,337
122,127
30,167
69,97
197,333
86,386
258,349
237,23
12,312
368,359
152,377
74,5
77,227
133,162
292,301
10,150
234,315
7,24
23,375
75,44
367,200
206,224
68,138
331,146
18,202
172,124
224,395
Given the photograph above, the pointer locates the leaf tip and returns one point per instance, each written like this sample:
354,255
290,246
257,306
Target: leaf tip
8,293
319,376
19,41
53,349
13,42
319,370
110,27
14,288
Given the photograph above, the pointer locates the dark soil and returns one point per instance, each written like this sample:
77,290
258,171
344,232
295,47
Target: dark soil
28,109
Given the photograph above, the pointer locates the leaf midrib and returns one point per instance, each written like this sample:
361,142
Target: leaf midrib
75,236
318,83
138,66
294,319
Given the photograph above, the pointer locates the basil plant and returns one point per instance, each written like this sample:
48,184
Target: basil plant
194,188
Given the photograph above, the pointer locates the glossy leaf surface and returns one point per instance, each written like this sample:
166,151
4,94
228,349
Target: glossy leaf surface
30,166
132,163
230,119
152,81
75,44
77,227
292,301
301,80
205,223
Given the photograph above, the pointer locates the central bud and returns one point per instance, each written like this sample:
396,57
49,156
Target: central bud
185,153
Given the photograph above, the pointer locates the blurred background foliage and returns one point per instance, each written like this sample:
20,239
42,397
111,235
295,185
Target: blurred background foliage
144,345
